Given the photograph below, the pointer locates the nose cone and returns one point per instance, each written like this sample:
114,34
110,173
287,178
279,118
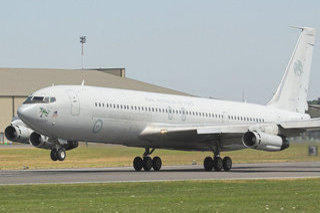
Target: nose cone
27,113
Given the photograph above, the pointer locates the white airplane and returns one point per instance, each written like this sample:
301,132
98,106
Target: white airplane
58,117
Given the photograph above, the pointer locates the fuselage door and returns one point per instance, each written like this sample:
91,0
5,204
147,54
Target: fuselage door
183,114
224,118
75,103
170,113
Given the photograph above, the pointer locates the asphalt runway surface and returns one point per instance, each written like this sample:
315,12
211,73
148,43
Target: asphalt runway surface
167,173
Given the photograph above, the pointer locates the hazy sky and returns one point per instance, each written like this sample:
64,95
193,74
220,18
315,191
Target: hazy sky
206,48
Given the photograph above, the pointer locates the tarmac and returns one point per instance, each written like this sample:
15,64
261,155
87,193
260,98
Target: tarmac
167,173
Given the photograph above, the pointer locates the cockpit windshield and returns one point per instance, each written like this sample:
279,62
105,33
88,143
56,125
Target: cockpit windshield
39,99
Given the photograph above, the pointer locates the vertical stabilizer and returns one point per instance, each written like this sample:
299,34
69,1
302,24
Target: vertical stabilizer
292,92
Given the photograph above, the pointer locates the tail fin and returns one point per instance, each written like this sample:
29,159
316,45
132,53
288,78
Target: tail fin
292,92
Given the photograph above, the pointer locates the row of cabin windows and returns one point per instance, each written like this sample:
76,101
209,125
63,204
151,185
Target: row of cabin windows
242,118
161,110
154,109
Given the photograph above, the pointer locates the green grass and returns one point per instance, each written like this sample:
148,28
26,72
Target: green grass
186,196
108,156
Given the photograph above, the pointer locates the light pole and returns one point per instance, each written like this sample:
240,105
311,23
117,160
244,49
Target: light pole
83,40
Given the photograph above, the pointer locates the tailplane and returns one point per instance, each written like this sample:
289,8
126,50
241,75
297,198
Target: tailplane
292,92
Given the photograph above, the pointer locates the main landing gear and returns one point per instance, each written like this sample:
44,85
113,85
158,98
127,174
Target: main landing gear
147,163
58,154
217,163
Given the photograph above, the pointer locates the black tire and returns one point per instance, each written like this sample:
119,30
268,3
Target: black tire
147,163
208,163
227,163
61,154
137,163
217,164
156,163
53,155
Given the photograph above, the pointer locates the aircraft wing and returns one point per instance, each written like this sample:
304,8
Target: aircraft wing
195,137
174,131
229,136
301,126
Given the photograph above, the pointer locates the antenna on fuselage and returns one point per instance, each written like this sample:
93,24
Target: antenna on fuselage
82,84
244,97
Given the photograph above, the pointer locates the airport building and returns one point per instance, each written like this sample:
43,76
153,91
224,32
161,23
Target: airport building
16,84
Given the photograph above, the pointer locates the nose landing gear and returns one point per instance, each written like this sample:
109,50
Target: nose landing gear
147,163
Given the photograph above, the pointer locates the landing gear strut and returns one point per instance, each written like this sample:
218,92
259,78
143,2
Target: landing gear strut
147,163
58,154
216,162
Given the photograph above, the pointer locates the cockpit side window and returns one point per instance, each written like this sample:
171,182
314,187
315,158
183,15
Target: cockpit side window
28,100
52,99
39,99
46,99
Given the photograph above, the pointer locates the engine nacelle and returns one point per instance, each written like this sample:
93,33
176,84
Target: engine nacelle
264,141
43,142
40,141
18,133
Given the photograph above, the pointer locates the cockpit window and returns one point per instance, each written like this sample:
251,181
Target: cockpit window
39,99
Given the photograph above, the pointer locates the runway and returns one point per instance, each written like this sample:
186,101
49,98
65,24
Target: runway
167,173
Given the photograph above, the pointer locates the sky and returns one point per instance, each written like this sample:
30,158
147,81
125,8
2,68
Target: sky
219,49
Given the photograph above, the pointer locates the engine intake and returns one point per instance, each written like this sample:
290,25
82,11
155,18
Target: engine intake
264,141
18,133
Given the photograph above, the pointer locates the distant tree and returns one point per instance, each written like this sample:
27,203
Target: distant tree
315,101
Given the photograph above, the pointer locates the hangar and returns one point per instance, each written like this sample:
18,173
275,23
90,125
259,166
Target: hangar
16,84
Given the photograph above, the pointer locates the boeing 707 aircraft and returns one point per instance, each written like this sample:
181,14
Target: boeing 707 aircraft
57,117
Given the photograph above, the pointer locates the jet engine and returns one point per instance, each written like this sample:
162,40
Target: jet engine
40,141
18,133
43,142
264,141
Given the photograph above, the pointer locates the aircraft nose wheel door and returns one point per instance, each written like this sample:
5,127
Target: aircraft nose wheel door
75,103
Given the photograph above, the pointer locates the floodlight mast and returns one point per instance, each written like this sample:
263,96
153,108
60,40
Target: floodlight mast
83,40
